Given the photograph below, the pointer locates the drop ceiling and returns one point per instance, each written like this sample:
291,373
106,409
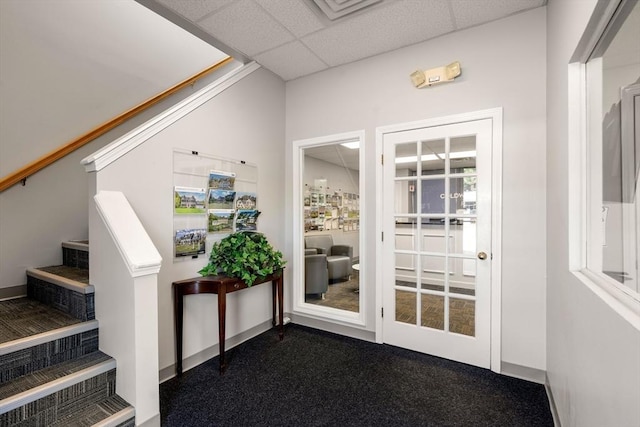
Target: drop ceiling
294,38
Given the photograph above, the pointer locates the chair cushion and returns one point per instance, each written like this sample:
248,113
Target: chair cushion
321,241
339,266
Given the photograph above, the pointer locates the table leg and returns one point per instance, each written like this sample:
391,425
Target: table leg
280,308
274,287
222,308
177,313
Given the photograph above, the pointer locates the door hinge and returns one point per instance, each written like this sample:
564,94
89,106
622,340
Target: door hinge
381,311
382,159
382,236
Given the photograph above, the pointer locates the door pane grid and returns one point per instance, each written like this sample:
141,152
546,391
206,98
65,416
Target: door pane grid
418,230
440,197
430,301
447,229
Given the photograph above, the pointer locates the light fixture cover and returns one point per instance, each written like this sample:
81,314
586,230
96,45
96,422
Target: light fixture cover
436,75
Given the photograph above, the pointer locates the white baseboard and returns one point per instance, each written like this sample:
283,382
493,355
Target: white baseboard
13,292
333,327
552,403
151,422
523,372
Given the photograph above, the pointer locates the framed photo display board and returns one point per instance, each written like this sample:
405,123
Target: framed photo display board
212,197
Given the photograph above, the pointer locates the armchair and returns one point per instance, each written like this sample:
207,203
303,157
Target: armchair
316,273
339,257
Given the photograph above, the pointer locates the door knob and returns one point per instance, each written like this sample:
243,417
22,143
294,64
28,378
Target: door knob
482,255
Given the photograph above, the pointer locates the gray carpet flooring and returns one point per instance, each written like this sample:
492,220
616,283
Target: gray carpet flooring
314,378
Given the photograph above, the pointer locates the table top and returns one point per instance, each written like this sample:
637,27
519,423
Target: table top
226,280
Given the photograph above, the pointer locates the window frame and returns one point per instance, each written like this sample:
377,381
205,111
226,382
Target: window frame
585,160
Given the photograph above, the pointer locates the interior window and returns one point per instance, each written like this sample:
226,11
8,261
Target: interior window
613,154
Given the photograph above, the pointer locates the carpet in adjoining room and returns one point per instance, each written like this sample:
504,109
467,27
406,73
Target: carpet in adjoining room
314,378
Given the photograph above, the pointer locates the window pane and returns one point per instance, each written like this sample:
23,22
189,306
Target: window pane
620,155
462,316
406,307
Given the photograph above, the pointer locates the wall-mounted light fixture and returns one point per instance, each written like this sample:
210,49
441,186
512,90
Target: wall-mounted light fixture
436,75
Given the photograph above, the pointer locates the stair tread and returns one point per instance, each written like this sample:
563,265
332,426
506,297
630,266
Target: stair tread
51,373
72,273
24,317
93,413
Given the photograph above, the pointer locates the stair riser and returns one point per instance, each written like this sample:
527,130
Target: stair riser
81,306
58,405
75,257
128,423
22,362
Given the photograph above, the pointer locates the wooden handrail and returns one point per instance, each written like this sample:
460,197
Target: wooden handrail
44,161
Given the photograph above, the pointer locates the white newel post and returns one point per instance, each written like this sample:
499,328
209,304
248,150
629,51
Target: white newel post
124,266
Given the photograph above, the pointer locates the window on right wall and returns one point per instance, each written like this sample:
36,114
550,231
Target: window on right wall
609,55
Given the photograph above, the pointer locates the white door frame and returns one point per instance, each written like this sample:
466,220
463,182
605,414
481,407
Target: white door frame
495,115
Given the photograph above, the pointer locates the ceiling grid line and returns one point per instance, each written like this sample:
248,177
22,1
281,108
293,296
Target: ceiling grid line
292,39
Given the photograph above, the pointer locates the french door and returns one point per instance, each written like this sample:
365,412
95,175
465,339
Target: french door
437,240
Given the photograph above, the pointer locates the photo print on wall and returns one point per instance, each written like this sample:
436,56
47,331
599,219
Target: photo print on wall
189,200
189,242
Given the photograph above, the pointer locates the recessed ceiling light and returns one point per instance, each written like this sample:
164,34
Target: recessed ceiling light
353,144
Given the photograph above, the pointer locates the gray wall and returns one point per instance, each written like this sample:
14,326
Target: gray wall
593,354
503,65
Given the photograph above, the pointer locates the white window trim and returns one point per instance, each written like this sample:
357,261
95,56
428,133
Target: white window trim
622,300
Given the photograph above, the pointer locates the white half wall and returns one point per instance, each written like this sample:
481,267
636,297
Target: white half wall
503,65
593,354
245,122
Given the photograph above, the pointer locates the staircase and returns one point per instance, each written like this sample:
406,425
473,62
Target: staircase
51,371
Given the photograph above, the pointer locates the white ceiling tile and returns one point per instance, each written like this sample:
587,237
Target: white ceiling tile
473,12
291,61
383,29
246,27
194,9
294,15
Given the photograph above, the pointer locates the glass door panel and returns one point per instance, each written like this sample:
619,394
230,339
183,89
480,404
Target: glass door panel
432,311
405,307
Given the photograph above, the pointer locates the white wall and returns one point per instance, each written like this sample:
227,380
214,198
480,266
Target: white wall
593,355
52,207
245,122
65,68
68,66
503,65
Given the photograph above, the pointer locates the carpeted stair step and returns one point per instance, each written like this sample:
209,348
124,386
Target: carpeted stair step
75,392
63,287
111,412
34,336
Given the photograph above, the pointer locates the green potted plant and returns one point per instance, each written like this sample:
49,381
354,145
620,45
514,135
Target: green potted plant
247,256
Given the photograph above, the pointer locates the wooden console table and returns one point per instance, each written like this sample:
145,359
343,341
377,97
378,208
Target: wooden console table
220,285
